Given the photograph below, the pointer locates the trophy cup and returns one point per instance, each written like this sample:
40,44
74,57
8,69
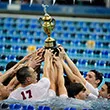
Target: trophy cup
48,24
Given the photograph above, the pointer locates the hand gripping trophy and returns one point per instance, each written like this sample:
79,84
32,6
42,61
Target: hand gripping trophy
48,24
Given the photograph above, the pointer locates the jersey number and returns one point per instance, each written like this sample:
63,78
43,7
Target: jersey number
24,93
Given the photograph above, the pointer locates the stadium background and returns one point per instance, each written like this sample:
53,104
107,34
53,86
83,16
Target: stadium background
82,27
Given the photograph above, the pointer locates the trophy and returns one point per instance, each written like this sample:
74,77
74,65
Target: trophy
48,24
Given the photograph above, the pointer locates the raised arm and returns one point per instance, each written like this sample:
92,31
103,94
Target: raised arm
47,58
60,79
72,66
71,76
12,84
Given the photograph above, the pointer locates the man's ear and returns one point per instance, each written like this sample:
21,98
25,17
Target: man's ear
97,81
108,96
28,79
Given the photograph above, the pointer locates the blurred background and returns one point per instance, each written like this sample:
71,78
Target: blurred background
82,27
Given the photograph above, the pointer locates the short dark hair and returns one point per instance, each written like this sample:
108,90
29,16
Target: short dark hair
22,74
98,76
74,88
8,66
108,87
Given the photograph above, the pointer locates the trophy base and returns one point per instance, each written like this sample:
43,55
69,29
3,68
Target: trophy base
52,45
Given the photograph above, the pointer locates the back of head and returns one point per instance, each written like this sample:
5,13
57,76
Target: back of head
22,74
8,66
74,88
108,87
98,76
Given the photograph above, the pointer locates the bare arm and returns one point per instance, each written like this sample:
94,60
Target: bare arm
60,79
46,69
12,84
72,66
71,76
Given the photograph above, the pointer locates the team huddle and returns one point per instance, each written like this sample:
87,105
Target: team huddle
21,81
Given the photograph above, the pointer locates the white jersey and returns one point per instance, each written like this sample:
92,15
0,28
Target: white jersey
93,90
32,92
92,97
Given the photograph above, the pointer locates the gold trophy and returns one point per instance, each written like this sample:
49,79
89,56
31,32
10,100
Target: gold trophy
48,24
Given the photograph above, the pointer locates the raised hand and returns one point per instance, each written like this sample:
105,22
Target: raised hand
62,52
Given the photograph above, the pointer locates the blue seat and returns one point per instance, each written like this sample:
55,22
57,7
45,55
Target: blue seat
82,62
108,75
105,75
3,56
71,29
20,20
91,62
81,24
99,44
80,35
58,28
15,106
7,25
69,23
85,29
88,52
94,24
76,42
30,40
70,108
97,30
101,63
11,57
107,37
60,41
33,21
24,32
33,26
93,36
84,74
16,48
19,57
11,32
44,108
66,35
20,26
2,47
105,53
108,63
8,19
15,39
5,106
2,68
71,51
106,25
28,107
58,22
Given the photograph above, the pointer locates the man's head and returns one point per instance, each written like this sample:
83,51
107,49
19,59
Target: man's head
26,75
8,66
77,90
94,77
105,90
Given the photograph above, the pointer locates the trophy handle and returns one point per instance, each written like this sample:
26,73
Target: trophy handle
53,22
40,21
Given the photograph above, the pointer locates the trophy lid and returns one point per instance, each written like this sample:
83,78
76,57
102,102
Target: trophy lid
50,39
47,17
